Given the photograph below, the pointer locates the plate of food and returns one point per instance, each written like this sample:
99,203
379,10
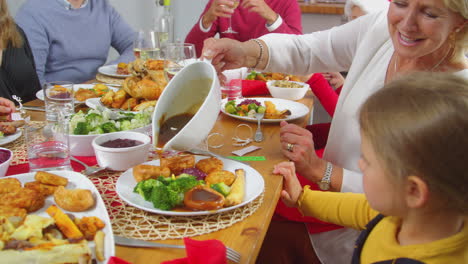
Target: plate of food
5,139
41,203
85,91
9,131
116,70
203,185
275,109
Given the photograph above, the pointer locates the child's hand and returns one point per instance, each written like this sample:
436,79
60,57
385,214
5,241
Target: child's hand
291,187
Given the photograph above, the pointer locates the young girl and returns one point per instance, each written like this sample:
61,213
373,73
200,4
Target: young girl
415,165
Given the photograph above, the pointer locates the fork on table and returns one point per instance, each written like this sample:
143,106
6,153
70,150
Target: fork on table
129,242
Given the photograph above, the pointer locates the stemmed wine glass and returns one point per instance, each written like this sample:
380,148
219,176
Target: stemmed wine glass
176,56
146,45
230,30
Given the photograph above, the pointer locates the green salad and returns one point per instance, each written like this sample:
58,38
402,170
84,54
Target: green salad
100,121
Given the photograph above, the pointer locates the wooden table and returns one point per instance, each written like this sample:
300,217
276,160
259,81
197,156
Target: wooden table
246,236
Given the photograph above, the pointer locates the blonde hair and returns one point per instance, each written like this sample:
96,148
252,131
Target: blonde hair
460,38
418,125
8,33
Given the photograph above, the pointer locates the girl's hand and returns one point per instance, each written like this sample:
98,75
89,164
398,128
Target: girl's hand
291,187
224,53
335,79
261,8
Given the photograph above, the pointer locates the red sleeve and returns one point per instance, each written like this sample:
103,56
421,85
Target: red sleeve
196,36
324,92
291,14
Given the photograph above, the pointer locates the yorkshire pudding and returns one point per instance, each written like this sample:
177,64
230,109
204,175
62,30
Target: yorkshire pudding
202,198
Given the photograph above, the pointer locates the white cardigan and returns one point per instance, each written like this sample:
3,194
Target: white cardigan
364,48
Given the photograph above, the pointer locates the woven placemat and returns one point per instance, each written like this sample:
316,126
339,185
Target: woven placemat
132,222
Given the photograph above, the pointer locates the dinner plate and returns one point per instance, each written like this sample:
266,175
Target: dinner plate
95,102
298,110
111,70
254,186
10,138
76,87
78,180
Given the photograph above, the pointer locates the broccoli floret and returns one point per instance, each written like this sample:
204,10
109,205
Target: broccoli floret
94,120
144,188
183,183
81,129
109,127
164,198
222,188
125,125
165,180
97,130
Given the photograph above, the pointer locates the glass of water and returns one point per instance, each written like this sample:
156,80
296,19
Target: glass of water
146,45
231,84
176,57
58,97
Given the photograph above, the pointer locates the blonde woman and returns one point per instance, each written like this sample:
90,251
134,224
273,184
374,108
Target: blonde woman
18,72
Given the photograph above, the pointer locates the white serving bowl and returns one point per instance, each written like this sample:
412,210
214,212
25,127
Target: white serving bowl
287,93
6,164
121,159
80,145
194,90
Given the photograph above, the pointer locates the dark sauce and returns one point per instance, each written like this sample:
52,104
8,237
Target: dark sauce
121,143
171,127
203,195
4,155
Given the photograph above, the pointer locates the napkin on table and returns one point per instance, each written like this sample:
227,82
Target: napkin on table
202,252
254,87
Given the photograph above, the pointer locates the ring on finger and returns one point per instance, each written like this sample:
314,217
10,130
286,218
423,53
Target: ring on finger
290,147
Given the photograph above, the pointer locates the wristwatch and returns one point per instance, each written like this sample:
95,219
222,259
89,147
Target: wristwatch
324,183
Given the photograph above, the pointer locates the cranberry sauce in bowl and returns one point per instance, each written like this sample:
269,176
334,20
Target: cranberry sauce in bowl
121,143
4,155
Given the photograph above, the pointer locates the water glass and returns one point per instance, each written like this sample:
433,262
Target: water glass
176,57
48,145
58,97
146,45
231,86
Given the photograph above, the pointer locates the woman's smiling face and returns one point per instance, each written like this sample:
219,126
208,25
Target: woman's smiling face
421,27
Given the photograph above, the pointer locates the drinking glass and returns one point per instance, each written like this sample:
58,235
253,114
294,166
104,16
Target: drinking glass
146,45
231,86
48,145
230,30
58,97
177,56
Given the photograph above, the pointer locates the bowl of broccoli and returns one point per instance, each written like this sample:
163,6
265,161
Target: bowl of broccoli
86,126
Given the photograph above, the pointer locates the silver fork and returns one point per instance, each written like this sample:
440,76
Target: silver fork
129,242
88,169
258,134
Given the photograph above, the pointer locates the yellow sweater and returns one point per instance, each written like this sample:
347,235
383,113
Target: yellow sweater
353,210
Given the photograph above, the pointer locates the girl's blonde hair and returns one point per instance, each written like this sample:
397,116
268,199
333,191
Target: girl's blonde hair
8,33
418,125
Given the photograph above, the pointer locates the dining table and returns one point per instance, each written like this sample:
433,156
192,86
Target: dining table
245,236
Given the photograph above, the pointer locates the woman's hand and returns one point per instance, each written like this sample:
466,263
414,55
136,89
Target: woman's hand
6,107
291,187
261,8
218,8
224,53
298,146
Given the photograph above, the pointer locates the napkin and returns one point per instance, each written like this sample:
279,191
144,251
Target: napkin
202,252
254,87
116,260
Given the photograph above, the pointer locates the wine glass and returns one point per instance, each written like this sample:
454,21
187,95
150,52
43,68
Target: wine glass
146,45
177,56
230,30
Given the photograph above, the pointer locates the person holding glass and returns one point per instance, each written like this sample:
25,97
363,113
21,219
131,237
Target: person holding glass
70,39
413,35
251,19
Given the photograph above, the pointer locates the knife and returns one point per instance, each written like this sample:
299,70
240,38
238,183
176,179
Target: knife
34,108
130,242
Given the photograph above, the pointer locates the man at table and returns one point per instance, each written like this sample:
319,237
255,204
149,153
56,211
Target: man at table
70,39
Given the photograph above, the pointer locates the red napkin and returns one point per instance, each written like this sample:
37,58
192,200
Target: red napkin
202,252
116,260
24,168
254,87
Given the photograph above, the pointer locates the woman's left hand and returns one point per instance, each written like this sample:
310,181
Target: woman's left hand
6,106
261,8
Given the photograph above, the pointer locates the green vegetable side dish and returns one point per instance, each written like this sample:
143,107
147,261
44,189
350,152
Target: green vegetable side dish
248,110
167,193
106,121
222,188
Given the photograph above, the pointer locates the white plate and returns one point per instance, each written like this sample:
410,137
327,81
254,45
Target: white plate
11,138
298,110
254,186
76,87
111,70
77,180
95,102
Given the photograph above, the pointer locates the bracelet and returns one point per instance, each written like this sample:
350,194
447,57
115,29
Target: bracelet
261,52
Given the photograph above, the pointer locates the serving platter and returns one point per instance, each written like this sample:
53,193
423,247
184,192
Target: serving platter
94,103
10,138
111,70
76,87
254,186
298,110
78,180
